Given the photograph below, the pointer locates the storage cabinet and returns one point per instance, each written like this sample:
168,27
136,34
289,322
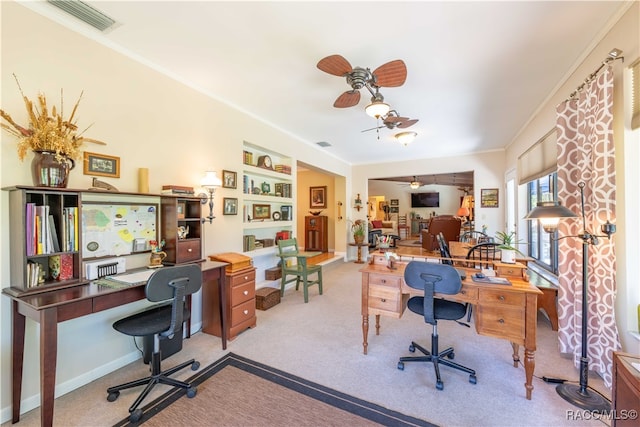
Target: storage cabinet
181,229
45,238
316,234
626,390
240,304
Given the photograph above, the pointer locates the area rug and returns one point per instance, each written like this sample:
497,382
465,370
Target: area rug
235,391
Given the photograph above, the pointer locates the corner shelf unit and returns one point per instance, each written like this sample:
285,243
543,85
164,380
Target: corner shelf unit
268,192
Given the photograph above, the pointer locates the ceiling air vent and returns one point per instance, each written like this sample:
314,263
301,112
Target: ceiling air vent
323,144
85,13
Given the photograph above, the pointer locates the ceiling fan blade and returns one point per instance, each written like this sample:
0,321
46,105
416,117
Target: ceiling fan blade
395,120
347,99
408,123
377,127
391,74
335,64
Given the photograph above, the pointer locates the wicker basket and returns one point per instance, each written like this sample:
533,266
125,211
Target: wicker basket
267,298
273,273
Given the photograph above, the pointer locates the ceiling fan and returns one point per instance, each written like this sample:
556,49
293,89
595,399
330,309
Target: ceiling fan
391,74
414,183
393,120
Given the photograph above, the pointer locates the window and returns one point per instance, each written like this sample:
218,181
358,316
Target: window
543,249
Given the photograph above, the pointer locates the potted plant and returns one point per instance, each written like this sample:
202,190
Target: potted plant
54,140
507,245
359,228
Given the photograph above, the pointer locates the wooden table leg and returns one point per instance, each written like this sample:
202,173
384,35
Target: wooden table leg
516,354
377,324
365,332
48,357
529,366
17,361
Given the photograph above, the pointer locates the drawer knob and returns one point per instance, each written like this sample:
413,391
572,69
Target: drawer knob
189,250
500,320
383,300
246,312
463,292
246,277
501,297
246,292
383,281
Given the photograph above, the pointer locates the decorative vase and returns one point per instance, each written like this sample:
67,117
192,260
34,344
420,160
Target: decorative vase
156,259
47,171
508,256
358,238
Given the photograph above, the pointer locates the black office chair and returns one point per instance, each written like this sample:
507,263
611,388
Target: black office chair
483,254
161,322
434,278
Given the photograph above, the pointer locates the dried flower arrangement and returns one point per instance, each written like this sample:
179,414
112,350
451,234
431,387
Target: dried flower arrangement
47,130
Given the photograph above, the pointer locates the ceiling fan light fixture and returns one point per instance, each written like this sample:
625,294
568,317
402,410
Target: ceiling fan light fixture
405,138
414,185
377,109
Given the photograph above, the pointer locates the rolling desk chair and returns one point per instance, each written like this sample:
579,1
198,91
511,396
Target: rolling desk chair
434,278
161,322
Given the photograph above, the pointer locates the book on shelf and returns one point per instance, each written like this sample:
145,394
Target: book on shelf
179,188
178,192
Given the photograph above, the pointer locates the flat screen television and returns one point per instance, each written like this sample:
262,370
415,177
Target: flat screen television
425,200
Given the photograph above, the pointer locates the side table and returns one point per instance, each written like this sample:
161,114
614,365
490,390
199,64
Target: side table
359,245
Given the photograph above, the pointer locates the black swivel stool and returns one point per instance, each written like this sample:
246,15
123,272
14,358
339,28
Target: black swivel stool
432,278
171,285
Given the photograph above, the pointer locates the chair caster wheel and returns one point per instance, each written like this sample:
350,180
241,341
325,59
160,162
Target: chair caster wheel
412,349
195,366
135,416
473,379
401,366
113,396
451,355
440,385
191,392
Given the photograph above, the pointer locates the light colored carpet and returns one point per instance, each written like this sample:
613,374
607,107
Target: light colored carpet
322,342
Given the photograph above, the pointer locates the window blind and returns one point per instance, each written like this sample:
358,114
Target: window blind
635,95
539,160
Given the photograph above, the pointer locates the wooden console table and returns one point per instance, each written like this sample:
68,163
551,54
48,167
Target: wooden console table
500,311
55,306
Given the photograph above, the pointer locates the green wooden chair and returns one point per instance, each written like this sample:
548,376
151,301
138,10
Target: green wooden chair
300,270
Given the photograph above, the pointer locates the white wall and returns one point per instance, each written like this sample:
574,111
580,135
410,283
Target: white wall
624,35
146,119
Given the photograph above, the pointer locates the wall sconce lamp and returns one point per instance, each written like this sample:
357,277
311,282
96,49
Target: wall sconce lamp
210,182
357,204
549,213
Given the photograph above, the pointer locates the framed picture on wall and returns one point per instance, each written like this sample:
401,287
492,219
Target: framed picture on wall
230,206
394,202
229,179
318,197
489,198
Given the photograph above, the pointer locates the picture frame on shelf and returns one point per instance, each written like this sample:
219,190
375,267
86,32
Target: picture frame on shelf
489,198
318,197
181,208
261,211
229,179
230,206
101,165
287,213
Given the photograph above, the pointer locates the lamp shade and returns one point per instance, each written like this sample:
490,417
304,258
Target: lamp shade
377,109
462,211
210,180
405,138
548,213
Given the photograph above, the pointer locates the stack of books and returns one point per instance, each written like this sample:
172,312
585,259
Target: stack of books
178,190
286,169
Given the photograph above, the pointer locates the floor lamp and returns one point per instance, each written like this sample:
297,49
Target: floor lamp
548,213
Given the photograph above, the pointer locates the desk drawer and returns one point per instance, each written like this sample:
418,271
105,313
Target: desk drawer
188,250
500,297
384,298
501,322
238,279
243,292
243,312
385,280
467,294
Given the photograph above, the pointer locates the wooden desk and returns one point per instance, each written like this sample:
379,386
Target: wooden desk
461,249
52,307
500,311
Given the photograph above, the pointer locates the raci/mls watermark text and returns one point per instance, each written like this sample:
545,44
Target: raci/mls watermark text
619,415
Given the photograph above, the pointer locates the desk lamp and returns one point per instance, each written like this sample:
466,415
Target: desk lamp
548,213
210,182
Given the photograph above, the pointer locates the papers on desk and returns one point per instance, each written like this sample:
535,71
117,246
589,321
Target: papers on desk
491,280
125,280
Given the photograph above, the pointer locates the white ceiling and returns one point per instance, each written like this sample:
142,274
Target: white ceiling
476,70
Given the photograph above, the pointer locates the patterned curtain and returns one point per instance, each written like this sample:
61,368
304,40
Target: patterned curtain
586,153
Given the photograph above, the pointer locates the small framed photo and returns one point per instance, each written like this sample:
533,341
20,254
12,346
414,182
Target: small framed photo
229,206
229,179
394,202
180,210
261,211
318,197
394,209
101,165
489,198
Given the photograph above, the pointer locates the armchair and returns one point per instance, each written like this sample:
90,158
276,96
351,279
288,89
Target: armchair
448,225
